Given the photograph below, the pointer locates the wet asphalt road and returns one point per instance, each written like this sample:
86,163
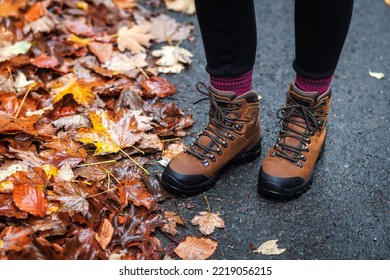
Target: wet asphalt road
346,213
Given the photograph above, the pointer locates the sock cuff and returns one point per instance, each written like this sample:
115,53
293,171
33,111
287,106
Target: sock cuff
310,84
239,84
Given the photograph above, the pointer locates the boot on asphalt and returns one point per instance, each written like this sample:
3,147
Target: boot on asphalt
232,135
288,168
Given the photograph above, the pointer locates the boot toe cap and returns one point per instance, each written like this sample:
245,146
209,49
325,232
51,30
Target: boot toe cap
277,187
184,184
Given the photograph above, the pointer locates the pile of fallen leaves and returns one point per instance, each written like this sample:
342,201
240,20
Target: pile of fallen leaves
82,124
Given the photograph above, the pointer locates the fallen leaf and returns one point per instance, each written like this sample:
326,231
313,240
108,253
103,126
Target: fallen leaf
150,141
104,234
170,152
10,8
10,125
6,36
166,29
81,90
134,190
102,51
9,169
14,238
36,11
121,62
30,199
9,209
44,61
172,219
110,134
184,6
134,39
44,24
195,248
125,4
72,122
376,75
79,27
11,51
158,86
65,173
207,222
269,248
172,59
21,82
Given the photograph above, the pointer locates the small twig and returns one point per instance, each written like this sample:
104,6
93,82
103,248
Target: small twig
96,194
171,139
96,163
78,181
135,148
208,205
126,154
112,175
142,71
24,98
179,43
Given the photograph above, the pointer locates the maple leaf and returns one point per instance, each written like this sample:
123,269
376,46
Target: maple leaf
121,62
269,248
172,219
170,152
207,222
44,24
109,133
195,248
134,190
80,89
11,51
134,39
158,86
10,8
184,6
10,125
172,59
166,29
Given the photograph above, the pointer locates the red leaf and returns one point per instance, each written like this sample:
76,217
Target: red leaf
44,61
158,86
30,199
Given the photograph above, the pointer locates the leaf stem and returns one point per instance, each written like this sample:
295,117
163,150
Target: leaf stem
142,71
127,155
96,194
208,205
96,163
24,98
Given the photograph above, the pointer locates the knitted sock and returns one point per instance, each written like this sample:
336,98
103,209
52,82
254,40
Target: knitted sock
310,84
238,84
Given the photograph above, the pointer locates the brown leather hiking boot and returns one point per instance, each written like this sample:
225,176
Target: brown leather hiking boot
231,135
287,170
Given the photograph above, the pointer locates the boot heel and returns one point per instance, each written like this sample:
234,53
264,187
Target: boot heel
249,155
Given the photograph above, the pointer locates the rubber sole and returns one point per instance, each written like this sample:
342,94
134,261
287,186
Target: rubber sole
274,191
176,187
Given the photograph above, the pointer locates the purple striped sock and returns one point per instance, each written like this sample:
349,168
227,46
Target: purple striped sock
238,84
310,84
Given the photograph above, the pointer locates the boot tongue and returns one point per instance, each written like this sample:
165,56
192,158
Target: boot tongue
305,98
227,94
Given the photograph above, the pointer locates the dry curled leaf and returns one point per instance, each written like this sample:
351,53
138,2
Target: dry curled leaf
11,51
184,6
134,39
172,59
269,248
173,219
170,152
195,248
105,233
207,222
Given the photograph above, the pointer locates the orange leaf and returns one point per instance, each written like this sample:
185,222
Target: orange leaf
10,125
105,233
194,248
79,27
44,61
103,51
36,11
158,86
135,191
10,8
30,199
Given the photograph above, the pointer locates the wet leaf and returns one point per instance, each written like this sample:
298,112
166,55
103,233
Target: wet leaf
30,199
104,234
122,63
14,238
10,125
11,51
195,248
44,61
172,219
269,248
11,8
184,6
79,27
135,191
36,11
207,222
9,209
134,39
170,152
102,51
158,86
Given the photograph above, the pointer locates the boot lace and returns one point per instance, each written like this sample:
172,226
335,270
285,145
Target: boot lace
223,116
308,118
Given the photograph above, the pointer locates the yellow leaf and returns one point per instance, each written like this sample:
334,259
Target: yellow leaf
69,84
77,41
82,5
109,134
269,248
184,6
50,170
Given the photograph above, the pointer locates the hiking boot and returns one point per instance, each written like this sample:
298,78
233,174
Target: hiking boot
287,170
232,135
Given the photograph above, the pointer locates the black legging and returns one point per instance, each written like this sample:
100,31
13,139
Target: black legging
228,30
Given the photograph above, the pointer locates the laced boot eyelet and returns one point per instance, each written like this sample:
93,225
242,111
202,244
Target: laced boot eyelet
311,133
299,163
273,154
238,127
308,140
205,162
306,149
224,144
320,122
213,158
303,157
231,137
219,152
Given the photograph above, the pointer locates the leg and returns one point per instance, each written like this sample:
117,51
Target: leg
321,29
228,30
232,134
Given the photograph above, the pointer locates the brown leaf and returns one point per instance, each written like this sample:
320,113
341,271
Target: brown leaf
207,222
30,199
269,248
44,61
14,238
135,191
105,233
103,51
158,86
79,27
195,248
172,219
36,11
170,152
9,209
10,125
